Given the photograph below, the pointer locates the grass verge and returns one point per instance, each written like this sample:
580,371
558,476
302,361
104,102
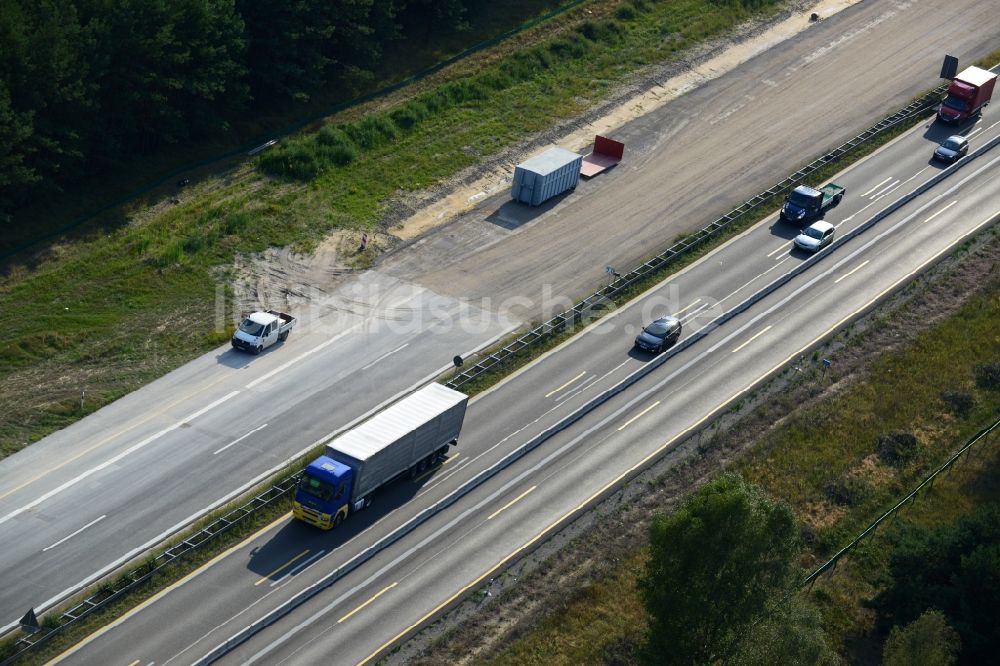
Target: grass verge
101,315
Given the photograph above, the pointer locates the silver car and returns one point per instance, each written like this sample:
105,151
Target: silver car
815,237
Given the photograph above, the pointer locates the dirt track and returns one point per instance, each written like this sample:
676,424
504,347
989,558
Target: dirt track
698,156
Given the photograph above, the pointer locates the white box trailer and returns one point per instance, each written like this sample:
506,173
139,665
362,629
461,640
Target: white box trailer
398,439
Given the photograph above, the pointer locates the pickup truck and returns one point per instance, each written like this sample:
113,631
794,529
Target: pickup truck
260,330
805,204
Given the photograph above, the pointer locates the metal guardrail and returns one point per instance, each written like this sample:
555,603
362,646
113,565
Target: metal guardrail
603,298
982,435
109,593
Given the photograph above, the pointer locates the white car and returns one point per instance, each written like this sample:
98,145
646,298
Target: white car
815,237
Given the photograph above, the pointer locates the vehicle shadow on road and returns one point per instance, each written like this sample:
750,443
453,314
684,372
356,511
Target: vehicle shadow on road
784,230
514,214
937,131
297,545
644,356
236,359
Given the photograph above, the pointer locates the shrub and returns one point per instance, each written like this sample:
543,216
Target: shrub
895,447
568,47
988,375
848,490
371,131
409,115
960,403
602,32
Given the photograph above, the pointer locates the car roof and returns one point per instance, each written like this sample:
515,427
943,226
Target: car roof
955,137
821,225
666,319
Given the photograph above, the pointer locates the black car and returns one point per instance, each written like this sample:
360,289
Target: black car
659,335
952,149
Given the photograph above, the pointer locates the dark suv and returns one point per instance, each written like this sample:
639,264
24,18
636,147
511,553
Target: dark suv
952,149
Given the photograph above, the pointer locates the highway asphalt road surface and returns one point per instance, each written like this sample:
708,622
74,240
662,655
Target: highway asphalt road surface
90,496
793,299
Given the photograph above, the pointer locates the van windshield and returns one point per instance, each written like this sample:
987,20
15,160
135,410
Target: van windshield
251,327
956,103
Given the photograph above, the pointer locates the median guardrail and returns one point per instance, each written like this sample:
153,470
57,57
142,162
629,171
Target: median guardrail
107,594
601,298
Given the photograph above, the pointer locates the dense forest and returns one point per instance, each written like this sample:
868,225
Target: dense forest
85,83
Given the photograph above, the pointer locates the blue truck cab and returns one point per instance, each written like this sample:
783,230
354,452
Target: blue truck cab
324,493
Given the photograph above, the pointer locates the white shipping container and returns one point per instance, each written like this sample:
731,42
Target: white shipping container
544,176
393,440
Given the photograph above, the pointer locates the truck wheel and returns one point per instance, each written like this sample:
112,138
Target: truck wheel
283,336
257,350
836,199
338,519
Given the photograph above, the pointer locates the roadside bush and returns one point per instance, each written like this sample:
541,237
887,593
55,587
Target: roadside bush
848,490
371,131
959,403
409,115
896,447
626,12
602,32
988,375
295,160
572,46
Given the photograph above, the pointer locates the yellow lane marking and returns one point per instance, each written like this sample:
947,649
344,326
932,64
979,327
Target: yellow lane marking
162,593
940,211
852,271
283,566
377,595
510,503
766,329
693,303
435,468
427,473
134,662
550,393
877,186
626,424
780,248
489,572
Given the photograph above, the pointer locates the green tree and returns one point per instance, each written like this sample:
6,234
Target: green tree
44,97
166,69
791,634
714,567
955,569
929,640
